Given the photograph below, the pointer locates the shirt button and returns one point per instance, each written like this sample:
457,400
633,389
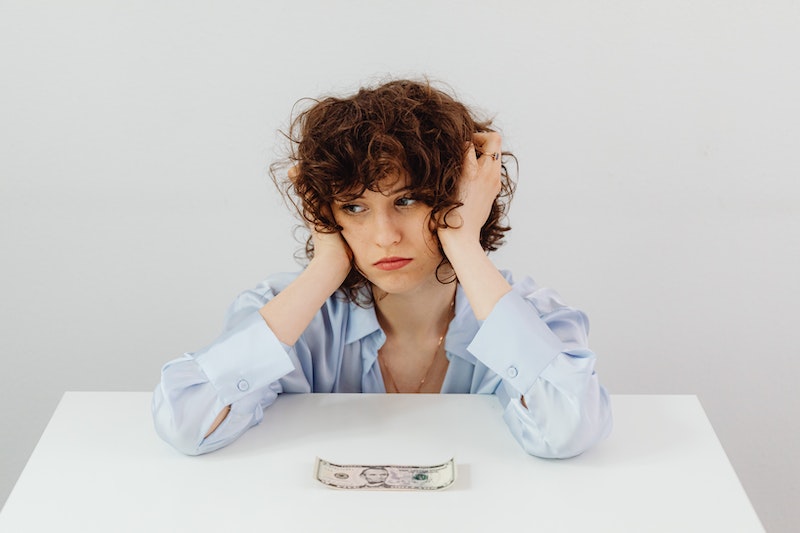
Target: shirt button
512,371
243,385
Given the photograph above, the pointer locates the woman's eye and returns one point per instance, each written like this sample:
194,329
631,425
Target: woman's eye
353,209
405,201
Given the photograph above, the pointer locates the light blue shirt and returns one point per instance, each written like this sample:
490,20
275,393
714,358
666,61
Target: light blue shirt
531,345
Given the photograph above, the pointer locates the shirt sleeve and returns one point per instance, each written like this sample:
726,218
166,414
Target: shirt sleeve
538,347
241,368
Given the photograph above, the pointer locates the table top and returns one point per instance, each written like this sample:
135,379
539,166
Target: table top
100,467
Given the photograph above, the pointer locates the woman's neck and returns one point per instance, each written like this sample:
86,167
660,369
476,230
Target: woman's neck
420,313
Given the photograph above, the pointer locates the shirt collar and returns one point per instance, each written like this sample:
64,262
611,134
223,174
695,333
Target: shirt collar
362,322
462,328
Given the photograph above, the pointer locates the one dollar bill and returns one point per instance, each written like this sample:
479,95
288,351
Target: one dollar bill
385,477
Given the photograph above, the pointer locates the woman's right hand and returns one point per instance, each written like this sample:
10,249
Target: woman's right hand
331,250
290,311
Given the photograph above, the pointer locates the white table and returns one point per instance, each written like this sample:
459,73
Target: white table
99,467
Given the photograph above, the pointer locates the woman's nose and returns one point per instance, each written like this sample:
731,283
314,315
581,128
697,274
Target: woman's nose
387,230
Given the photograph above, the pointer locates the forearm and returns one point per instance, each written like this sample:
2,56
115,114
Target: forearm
290,312
187,410
562,418
228,382
482,282
217,421
537,346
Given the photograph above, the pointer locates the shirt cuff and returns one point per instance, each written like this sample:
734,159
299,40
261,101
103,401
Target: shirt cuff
515,342
247,358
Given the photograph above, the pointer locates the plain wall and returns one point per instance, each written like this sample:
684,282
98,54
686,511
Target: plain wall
658,188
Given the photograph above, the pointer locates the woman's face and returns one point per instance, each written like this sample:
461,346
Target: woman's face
389,236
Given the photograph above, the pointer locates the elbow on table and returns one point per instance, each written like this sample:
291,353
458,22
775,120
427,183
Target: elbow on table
568,436
576,444
187,446
184,437
184,441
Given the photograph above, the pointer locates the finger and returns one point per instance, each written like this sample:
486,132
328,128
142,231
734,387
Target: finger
471,159
487,140
471,150
294,172
491,157
488,144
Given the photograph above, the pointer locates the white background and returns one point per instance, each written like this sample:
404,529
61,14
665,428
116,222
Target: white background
658,189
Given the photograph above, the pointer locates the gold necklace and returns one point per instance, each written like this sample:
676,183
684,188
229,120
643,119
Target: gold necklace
385,367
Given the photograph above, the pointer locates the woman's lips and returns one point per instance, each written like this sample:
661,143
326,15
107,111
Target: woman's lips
392,263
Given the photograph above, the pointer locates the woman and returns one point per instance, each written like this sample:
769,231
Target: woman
404,193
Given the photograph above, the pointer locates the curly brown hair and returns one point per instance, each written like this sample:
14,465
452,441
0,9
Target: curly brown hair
340,147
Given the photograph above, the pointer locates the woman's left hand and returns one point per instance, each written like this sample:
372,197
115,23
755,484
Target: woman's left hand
479,186
481,182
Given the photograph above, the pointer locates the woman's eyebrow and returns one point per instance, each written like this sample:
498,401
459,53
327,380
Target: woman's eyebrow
392,192
398,190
